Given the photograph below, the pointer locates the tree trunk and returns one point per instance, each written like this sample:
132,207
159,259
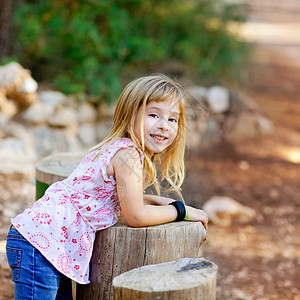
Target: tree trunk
53,168
7,31
122,248
190,279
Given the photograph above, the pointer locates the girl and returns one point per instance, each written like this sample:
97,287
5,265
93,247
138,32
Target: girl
53,241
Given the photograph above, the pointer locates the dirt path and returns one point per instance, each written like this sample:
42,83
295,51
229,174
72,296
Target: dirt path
260,260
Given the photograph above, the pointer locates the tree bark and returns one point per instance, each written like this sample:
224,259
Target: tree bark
53,168
7,30
122,248
190,279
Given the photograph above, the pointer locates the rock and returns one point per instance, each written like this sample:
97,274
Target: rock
11,76
87,134
38,113
53,98
247,125
61,137
9,108
212,134
3,259
240,102
74,144
12,131
193,135
13,157
22,133
195,110
265,125
3,120
29,85
203,133
106,111
49,140
17,84
225,211
65,116
197,92
44,140
9,213
244,165
102,129
274,193
86,113
11,147
218,99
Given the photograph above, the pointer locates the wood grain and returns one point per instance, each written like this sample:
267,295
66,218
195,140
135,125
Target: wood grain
187,278
121,248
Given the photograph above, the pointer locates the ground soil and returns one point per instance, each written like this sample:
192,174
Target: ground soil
259,260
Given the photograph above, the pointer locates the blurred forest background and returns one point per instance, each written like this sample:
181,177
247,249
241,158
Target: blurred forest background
248,154
121,40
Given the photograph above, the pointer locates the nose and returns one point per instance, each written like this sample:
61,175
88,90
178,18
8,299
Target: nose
163,125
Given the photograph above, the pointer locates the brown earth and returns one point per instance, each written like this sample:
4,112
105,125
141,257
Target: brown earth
260,260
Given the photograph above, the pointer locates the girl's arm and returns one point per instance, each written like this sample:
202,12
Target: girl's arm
156,200
193,213
129,179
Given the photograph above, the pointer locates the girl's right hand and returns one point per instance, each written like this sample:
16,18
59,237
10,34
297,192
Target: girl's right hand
197,215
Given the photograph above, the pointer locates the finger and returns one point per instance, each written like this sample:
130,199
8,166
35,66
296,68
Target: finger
205,223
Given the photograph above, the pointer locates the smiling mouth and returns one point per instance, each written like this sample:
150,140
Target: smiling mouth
158,137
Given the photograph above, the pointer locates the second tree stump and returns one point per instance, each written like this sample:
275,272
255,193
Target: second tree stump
185,279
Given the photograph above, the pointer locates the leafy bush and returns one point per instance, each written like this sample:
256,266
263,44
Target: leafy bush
86,46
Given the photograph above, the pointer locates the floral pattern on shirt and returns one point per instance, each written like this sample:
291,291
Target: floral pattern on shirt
62,224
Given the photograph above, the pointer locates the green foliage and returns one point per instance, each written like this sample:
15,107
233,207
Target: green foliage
85,45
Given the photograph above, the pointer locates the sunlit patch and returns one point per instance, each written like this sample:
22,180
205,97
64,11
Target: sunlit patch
294,156
291,154
280,32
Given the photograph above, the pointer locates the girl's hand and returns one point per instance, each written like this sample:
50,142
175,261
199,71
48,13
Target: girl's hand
197,215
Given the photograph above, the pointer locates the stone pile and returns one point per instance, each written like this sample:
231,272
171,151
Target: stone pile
55,123
16,84
219,114
48,121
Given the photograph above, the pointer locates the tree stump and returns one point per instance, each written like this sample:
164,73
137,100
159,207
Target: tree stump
121,248
53,168
185,279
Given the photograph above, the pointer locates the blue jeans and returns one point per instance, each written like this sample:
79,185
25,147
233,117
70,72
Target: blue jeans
34,276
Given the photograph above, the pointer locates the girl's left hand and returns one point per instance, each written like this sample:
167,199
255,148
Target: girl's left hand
198,215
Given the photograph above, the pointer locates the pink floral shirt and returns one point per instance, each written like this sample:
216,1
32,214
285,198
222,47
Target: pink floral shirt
62,224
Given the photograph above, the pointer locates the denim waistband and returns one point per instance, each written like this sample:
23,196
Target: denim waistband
14,233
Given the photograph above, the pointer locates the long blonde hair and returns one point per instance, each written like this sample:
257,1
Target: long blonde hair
136,94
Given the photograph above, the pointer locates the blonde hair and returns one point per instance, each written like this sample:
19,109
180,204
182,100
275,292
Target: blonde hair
136,94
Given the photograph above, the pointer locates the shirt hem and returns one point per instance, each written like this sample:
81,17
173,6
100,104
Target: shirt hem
73,279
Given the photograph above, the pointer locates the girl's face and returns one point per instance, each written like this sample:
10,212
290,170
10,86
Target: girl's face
160,125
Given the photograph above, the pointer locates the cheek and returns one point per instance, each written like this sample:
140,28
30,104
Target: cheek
174,129
137,124
149,123
137,132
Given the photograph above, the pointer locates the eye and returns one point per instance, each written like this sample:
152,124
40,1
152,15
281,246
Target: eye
173,120
153,115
